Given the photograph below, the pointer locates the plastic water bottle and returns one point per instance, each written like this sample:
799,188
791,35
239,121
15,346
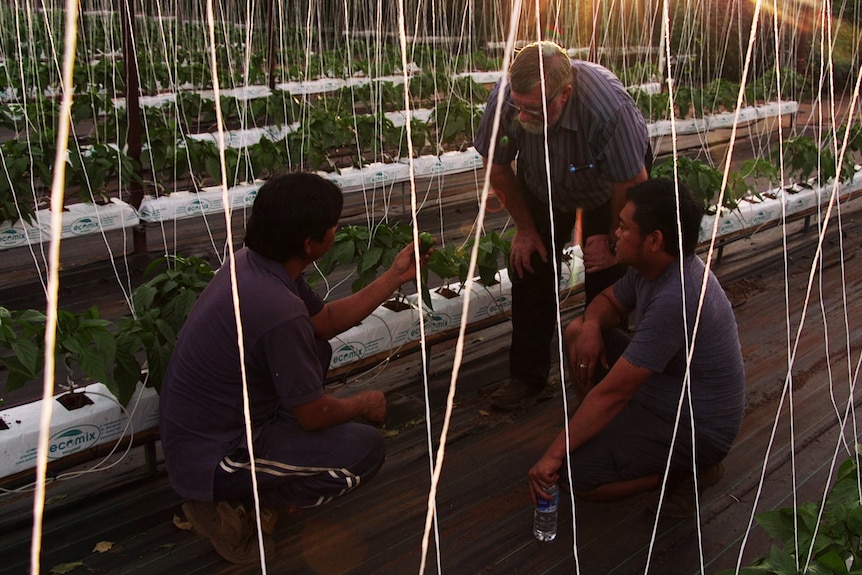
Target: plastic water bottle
545,515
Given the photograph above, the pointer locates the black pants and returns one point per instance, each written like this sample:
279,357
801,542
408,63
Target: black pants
534,310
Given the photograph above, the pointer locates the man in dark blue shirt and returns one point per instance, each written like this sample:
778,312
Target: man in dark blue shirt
307,450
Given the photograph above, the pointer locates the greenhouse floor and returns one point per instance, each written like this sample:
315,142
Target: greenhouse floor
483,507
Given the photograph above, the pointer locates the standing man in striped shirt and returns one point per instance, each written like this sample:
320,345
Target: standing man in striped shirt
597,147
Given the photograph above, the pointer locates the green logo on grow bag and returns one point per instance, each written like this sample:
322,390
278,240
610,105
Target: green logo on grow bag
83,226
72,440
433,324
347,353
500,304
249,197
148,212
11,237
794,205
196,206
437,168
728,225
474,161
760,217
379,178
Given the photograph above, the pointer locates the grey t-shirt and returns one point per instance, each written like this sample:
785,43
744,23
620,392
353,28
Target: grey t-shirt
601,138
658,344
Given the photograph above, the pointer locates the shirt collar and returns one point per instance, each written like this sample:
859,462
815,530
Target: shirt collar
272,266
569,117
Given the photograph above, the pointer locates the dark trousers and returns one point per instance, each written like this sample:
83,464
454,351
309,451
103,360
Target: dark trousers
299,467
534,310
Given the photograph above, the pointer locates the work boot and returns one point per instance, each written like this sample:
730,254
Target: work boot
514,395
680,500
268,520
230,529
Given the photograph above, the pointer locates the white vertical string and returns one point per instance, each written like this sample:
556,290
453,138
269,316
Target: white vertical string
468,287
234,285
670,84
719,202
850,406
57,195
431,515
432,502
788,329
555,265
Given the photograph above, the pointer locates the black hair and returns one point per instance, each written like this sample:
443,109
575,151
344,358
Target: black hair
289,209
655,203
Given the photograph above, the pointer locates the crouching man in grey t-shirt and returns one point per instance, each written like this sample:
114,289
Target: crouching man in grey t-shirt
630,384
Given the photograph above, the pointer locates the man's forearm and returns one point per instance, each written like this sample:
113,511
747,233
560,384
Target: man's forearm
593,415
509,189
329,410
346,312
602,404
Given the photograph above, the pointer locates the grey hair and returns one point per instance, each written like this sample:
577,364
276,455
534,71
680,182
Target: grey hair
524,72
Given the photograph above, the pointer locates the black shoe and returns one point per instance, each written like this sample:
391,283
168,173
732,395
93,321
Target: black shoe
514,395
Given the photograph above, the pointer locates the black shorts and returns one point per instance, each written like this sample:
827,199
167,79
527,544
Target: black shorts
636,443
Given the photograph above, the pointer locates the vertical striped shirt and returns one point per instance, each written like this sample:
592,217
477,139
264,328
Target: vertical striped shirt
600,138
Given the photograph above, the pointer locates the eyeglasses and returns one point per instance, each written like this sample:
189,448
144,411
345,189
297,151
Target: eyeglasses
533,112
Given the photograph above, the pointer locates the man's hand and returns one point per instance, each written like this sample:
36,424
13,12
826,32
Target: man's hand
343,313
597,254
525,242
586,349
543,474
403,265
374,406
328,410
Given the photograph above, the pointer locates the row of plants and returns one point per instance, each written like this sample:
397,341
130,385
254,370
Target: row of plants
115,353
92,173
325,139
108,76
720,95
194,113
97,169
174,53
118,353
803,159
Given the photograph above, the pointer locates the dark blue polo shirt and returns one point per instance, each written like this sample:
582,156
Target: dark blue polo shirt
601,138
201,416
